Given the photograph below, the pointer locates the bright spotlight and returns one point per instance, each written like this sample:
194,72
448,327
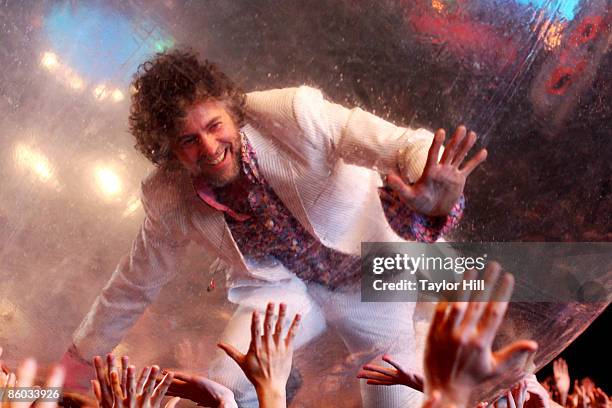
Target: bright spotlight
100,92
118,95
34,161
49,61
76,82
108,181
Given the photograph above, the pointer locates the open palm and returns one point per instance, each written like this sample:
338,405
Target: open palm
442,182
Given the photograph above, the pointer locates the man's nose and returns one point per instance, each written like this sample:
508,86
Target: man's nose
208,144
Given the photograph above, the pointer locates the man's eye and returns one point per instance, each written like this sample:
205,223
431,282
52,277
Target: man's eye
188,141
215,126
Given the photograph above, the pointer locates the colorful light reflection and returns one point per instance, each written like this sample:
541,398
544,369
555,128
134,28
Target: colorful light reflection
566,9
101,44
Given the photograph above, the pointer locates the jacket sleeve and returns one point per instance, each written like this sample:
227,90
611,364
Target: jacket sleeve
135,283
307,122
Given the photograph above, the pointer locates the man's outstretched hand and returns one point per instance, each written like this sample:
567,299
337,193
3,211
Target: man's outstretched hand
442,181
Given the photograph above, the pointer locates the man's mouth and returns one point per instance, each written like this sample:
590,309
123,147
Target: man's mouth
216,160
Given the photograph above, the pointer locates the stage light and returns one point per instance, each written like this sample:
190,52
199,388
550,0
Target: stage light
109,182
75,82
118,95
34,161
100,92
49,61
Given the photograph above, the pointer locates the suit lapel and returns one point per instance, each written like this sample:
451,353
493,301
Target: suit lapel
214,230
279,173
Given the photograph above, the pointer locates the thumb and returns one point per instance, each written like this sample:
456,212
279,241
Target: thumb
397,183
95,385
514,356
172,403
231,351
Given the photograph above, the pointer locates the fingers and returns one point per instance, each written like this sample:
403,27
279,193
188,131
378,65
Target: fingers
125,362
510,399
366,369
278,332
474,162
95,386
372,375
161,389
479,299
255,331
149,387
464,148
131,383
496,309
293,329
269,323
451,149
111,364
144,376
26,372
54,380
389,359
231,351
512,357
434,151
116,387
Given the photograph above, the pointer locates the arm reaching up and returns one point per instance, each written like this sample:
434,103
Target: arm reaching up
267,363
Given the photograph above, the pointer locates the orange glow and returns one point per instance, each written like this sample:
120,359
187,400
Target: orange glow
437,5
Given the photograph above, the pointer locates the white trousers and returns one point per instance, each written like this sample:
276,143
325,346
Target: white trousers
368,330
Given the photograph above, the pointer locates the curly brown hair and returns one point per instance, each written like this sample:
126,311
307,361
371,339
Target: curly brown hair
163,88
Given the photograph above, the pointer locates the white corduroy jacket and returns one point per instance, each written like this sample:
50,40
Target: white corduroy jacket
322,160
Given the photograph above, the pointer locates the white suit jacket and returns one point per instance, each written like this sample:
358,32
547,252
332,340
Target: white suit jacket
321,159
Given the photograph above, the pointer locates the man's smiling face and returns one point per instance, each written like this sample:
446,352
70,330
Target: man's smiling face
209,144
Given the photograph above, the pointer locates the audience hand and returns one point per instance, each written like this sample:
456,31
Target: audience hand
201,390
514,398
600,399
458,354
380,375
124,391
537,396
267,363
562,379
26,373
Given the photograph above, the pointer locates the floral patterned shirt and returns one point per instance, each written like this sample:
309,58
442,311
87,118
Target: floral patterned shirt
265,230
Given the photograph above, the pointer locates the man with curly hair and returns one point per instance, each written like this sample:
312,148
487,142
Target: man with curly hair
282,186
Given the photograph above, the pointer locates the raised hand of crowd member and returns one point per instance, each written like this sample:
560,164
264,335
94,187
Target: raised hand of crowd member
113,390
26,373
395,375
514,397
537,396
201,390
600,399
562,379
442,181
458,354
267,363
